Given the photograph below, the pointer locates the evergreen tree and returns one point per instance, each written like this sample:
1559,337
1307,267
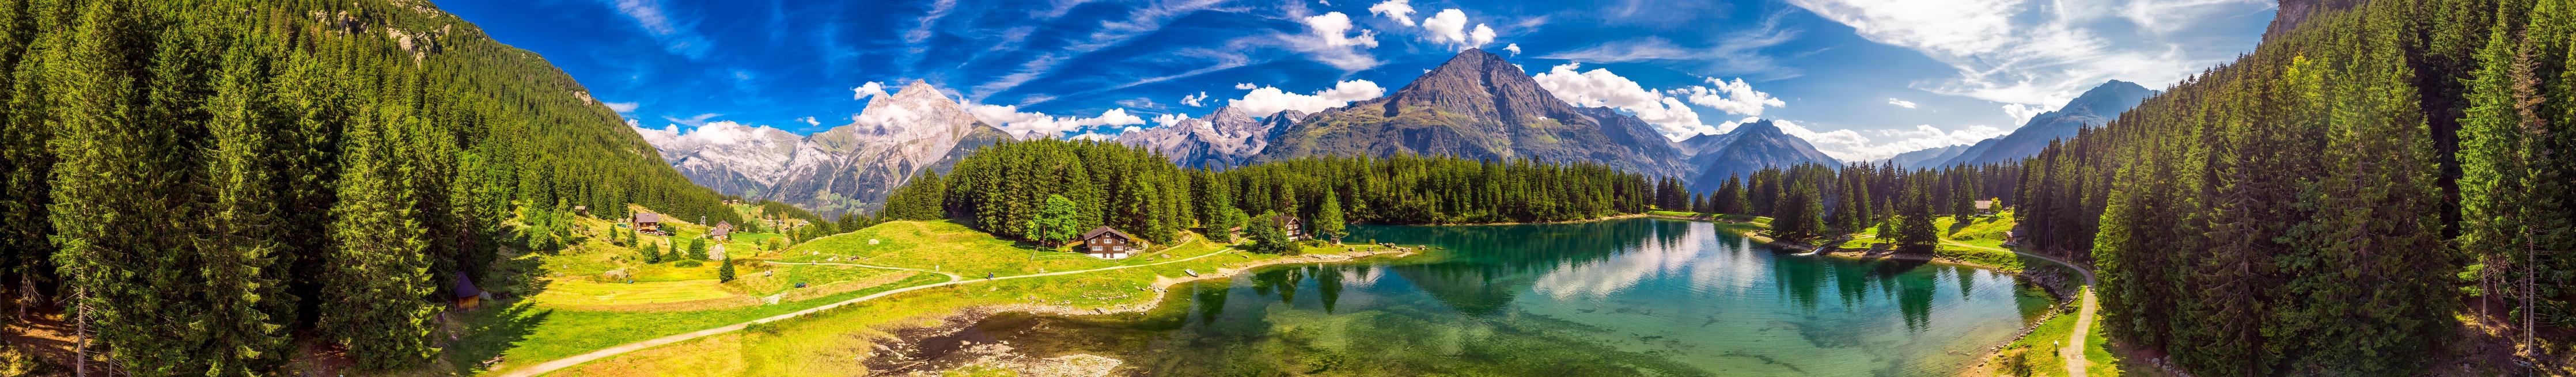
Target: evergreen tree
697,249
1328,219
724,272
379,282
1914,232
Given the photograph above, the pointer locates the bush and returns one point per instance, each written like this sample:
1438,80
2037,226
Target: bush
688,263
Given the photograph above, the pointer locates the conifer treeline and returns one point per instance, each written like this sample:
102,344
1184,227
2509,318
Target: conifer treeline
202,181
1006,187
2327,203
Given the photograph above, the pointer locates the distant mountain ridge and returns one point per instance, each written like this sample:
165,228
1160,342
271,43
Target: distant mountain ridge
2096,107
1749,148
845,169
1222,139
1476,105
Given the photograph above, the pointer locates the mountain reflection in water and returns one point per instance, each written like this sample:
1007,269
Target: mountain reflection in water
1609,298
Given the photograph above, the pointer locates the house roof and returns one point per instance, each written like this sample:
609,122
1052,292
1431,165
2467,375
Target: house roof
722,228
465,287
1286,219
647,217
1096,232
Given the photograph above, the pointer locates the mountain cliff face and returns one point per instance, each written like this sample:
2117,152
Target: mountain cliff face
1478,106
732,159
2093,109
1223,139
1751,147
844,169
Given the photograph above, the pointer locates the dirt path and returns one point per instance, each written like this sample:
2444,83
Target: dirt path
953,279
2074,356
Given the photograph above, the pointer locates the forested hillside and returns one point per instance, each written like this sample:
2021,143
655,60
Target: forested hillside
2335,201
210,183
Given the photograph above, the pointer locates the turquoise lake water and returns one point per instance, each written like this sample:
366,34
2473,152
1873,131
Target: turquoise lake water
1637,297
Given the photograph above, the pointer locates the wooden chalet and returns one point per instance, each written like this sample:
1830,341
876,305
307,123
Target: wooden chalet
646,222
722,232
1295,228
1107,243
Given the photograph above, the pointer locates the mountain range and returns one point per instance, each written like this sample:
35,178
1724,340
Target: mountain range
2096,107
1749,148
1476,105
844,169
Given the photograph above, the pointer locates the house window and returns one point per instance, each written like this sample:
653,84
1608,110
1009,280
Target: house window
1095,248
1118,248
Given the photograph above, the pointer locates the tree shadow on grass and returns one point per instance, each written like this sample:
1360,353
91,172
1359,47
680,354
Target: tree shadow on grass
490,332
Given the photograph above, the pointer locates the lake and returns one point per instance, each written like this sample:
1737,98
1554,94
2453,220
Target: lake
1633,297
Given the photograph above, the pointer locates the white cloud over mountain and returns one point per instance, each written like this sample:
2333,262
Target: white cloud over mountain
1398,10
1266,100
1732,97
1330,39
1031,125
2040,53
1599,87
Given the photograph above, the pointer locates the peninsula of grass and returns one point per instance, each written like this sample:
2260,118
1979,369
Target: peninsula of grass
952,248
527,331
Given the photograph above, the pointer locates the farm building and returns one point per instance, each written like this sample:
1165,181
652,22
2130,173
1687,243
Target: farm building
1295,228
647,222
722,232
1107,243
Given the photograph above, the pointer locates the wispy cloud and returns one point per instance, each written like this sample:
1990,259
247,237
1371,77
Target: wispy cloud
621,107
1739,53
693,121
674,35
1900,103
2018,52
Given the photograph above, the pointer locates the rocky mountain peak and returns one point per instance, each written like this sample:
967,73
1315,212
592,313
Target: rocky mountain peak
1483,84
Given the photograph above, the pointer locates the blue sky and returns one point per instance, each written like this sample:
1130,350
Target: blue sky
1862,79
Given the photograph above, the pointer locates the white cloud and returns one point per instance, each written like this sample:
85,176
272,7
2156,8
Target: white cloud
1270,100
621,107
1093,136
1849,145
810,121
2021,114
694,121
1397,10
1481,36
1245,86
1515,48
1600,87
2032,53
1450,27
1900,103
1732,97
1194,100
871,89
1329,40
1167,120
1032,125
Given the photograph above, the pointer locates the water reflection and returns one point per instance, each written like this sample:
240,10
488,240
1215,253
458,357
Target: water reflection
1632,297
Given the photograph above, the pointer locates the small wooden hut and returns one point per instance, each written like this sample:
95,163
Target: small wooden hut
1295,228
468,296
722,232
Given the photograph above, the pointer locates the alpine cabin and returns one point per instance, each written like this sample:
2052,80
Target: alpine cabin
722,232
646,222
1106,243
1295,228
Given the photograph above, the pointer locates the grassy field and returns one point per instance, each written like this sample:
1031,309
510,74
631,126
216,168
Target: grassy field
829,343
566,302
949,247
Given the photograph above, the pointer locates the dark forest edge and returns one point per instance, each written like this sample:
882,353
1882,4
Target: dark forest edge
216,187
